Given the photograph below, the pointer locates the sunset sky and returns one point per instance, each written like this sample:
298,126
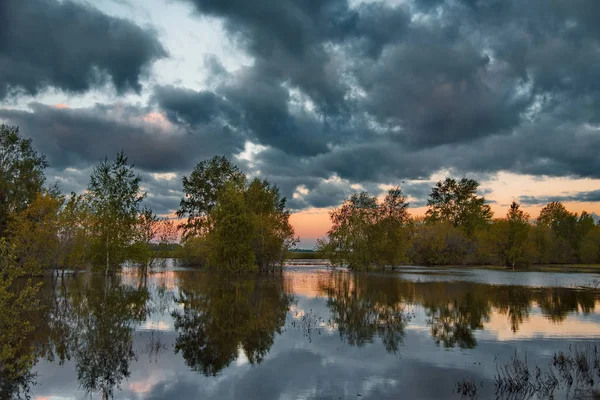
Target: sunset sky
322,97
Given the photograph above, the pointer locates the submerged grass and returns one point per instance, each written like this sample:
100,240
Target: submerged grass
577,372
467,389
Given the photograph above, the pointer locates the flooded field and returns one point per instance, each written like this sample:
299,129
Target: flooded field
316,333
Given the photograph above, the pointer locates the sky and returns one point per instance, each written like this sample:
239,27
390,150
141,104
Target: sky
321,97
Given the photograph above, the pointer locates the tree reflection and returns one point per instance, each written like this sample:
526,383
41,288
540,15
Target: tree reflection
91,320
19,301
364,306
453,323
223,315
107,314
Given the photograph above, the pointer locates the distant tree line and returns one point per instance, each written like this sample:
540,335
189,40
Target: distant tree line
458,228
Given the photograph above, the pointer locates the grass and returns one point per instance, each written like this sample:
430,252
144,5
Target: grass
577,372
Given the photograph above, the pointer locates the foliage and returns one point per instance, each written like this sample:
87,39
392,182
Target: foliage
273,235
508,241
114,198
34,235
440,244
74,232
195,251
230,239
21,174
456,202
233,225
366,233
202,189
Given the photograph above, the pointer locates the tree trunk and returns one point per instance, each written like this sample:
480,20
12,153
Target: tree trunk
107,258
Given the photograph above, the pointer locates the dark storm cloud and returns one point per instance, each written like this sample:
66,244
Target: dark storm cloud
70,46
371,93
590,196
80,137
400,92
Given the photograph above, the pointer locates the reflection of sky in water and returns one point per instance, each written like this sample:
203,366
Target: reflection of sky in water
320,365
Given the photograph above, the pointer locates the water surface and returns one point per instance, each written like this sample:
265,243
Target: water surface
311,333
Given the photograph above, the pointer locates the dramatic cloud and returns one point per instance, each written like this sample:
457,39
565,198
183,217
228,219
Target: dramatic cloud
70,46
80,137
332,96
391,92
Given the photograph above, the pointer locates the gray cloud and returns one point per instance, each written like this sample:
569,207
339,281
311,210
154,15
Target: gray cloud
372,93
70,46
80,137
590,196
469,86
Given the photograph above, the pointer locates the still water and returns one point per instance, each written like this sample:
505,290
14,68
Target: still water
312,333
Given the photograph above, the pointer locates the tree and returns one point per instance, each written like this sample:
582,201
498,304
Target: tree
392,237
440,243
366,233
230,239
508,239
34,234
563,225
273,235
21,174
74,232
114,196
349,239
233,225
457,203
202,189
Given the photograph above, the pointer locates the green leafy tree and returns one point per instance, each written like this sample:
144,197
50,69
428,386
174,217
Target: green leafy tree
202,189
115,200
350,237
273,234
563,225
440,243
367,233
230,239
457,203
21,174
392,237
508,240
